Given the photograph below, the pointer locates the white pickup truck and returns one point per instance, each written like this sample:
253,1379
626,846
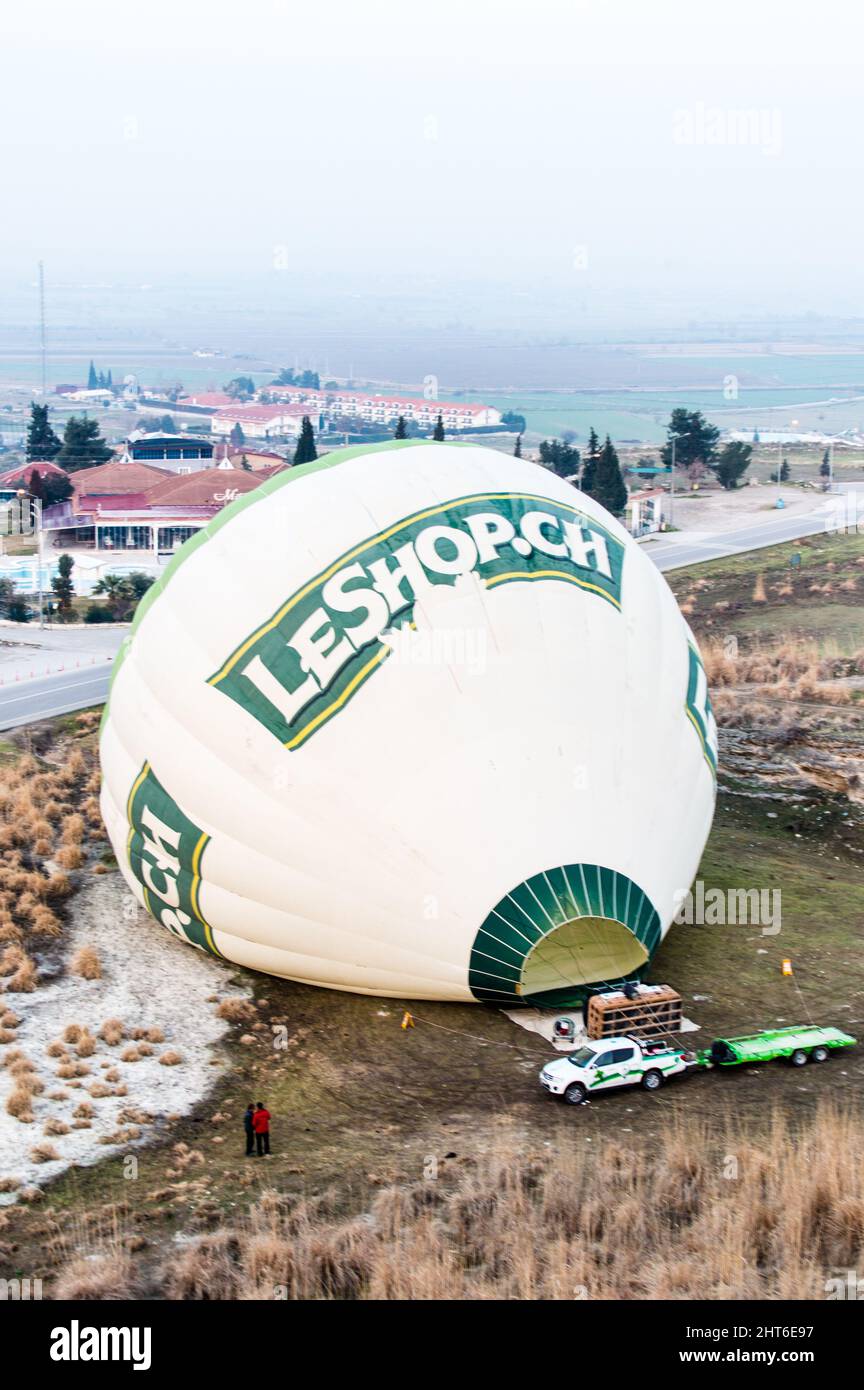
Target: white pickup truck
612,1062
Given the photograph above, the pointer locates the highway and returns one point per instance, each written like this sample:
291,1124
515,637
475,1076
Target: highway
25,700
694,548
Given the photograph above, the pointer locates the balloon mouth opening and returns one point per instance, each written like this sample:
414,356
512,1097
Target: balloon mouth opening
562,935
582,951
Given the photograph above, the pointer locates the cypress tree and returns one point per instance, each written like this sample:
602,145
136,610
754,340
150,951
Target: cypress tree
438,432
401,428
92,379
608,487
306,451
589,469
42,443
517,448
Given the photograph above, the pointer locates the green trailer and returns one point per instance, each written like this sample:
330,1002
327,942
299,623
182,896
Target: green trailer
798,1045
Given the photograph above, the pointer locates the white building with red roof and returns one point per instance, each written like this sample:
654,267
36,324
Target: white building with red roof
133,507
383,408
261,421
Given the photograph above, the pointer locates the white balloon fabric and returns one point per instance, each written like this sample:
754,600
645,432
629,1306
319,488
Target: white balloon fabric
418,719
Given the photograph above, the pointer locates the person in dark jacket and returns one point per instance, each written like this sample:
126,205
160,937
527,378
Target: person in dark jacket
249,1127
261,1125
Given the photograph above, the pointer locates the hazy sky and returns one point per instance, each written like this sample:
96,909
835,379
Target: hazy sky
578,142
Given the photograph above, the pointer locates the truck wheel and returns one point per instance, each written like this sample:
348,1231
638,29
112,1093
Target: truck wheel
819,1054
798,1057
652,1081
575,1093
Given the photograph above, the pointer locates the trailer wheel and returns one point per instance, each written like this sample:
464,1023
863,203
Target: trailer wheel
798,1057
575,1093
652,1081
819,1054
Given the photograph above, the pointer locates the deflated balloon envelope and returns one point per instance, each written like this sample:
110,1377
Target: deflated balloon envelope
419,720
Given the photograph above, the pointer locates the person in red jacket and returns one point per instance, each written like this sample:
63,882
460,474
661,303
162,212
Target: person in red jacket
261,1126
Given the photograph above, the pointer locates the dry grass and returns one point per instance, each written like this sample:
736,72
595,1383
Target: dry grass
70,856
99,1089
171,1058
733,1217
104,1273
153,1035
70,1069
86,963
38,822
124,1135
58,886
112,1031
19,970
19,1105
236,1011
44,1153
791,670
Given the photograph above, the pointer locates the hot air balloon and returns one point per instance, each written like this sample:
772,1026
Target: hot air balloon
417,719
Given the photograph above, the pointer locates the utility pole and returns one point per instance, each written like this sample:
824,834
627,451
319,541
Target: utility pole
42,322
673,440
37,508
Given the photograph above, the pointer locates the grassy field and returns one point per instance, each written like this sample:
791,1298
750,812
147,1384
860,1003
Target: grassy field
366,1115
818,598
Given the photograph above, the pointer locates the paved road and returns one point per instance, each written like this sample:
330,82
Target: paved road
693,548
25,701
